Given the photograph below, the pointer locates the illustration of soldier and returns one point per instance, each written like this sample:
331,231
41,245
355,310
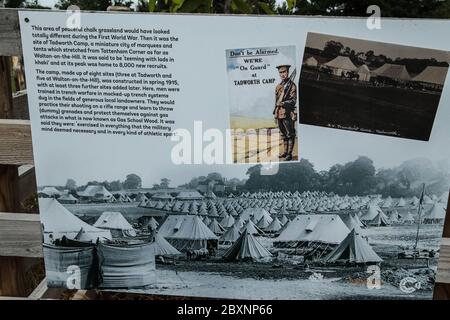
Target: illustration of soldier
285,111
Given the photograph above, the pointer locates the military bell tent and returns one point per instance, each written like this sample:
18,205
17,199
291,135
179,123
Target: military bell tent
187,232
161,247
67,199
320,228
116,223
340,64
246,248
230,236
363,73
432,75
353,249
435,215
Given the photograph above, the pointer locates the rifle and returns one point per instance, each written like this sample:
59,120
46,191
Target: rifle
287,89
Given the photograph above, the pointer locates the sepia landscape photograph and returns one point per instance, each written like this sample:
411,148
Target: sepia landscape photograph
371,87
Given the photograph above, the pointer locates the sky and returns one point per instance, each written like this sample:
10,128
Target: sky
205,96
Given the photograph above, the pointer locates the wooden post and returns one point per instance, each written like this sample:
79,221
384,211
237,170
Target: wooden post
5,88
11,268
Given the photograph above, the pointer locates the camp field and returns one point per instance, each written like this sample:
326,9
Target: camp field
283,278
382,110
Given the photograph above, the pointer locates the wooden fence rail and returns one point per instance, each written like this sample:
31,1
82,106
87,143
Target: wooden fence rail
20,234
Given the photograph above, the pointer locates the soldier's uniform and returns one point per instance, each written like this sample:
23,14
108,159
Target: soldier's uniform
285,113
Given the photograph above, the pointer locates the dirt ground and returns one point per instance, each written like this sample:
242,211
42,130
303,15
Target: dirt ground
386,241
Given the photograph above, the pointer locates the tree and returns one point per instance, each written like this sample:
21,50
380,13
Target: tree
332,49
107,185
115,185
133,181
389,8
347,51
234,182
333,183
14,3
97,5
358,176
299,176
32,4
214,6
214,176
164,183
71,184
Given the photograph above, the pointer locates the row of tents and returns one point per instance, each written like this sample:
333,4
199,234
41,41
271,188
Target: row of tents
98,193
431,76
312,203
92,193
326,231
194,231
263,211
59,222
179,233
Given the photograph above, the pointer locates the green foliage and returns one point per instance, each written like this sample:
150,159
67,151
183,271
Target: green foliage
199,6
210,6
15,3
291,4
389,8
151,5
97,5
241,6
32,4
265,7
373,60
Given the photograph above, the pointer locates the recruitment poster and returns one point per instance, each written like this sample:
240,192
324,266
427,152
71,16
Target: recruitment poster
240,156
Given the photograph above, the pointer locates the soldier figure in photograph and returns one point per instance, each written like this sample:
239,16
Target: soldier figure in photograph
285,109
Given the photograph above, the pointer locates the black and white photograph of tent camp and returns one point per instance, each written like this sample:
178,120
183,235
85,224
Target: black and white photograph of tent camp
371,87
300,234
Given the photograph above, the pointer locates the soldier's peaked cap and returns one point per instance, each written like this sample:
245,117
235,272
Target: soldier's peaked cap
283,66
